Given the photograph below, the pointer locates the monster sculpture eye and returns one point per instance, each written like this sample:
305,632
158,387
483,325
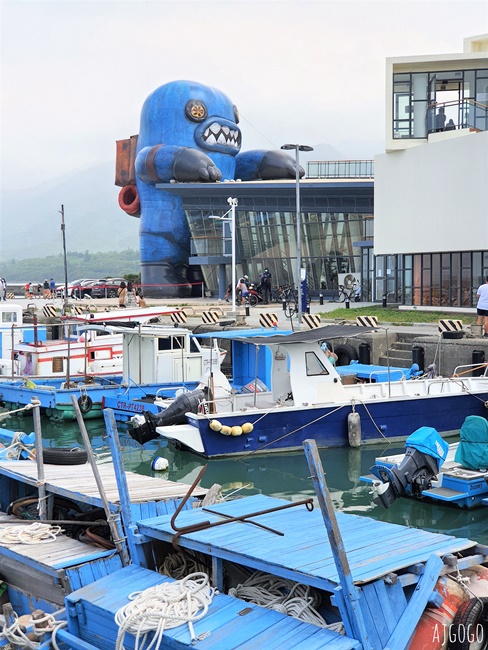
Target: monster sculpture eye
236,114
196,110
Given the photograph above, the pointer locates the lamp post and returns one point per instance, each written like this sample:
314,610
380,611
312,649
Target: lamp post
298,148
232,219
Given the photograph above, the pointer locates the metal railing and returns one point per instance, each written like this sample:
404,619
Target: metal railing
340,169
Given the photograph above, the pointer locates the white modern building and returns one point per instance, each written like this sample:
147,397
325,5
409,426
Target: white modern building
431,184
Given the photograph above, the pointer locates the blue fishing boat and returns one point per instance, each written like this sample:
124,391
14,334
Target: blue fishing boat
435,472
234,574
306,398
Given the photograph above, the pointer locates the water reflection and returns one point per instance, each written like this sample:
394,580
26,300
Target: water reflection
280,475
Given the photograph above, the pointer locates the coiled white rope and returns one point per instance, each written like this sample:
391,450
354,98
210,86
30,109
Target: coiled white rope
46,625
285,596
16,447
163,607
35,533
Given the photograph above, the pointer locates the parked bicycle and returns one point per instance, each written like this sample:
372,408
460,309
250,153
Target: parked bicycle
347,295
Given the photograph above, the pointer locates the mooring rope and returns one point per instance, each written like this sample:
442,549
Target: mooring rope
163,607
46,624
16,447
35,533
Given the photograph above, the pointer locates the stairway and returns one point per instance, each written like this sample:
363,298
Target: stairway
400,353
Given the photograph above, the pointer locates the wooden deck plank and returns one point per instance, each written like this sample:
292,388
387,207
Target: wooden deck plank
374,549
79,480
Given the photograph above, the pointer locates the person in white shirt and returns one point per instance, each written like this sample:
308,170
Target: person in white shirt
482,306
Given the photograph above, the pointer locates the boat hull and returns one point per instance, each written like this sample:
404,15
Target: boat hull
284,429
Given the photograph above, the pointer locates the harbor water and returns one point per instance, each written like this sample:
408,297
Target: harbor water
280,475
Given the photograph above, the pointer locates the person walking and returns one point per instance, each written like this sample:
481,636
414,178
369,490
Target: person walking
266,286
242,286
122,293
3,289
482,306
46,294
52,288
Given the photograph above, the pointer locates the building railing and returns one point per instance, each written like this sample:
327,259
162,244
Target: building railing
464,114
340,169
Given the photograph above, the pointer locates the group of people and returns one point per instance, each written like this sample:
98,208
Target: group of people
129,295
46,290
440,121
242,287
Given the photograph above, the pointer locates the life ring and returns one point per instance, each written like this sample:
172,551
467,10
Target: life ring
64,456
85,403
129,200
345,354
469,628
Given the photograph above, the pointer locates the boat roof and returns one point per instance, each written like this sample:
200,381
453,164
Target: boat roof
241,333
278,337
122,315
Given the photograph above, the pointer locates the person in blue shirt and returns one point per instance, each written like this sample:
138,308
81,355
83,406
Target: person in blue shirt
482,306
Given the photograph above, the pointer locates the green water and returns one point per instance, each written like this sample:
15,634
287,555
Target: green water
280,475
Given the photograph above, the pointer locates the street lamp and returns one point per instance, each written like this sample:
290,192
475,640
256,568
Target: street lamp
232,219
297,148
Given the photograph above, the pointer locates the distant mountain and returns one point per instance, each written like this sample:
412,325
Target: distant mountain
31,222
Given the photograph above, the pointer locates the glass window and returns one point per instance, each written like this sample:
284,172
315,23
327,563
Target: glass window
9,317
314,365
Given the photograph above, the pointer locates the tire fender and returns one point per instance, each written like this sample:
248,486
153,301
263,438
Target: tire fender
64,456
345,354
85,403
470,625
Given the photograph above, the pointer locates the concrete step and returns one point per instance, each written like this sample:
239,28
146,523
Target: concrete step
399,360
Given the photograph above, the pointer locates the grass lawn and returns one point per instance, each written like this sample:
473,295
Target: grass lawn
400,317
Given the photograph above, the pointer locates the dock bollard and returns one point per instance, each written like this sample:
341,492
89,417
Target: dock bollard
247,309
348,305
321,299
283,304
383,304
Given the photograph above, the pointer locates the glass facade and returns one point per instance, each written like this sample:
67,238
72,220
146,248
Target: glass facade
267,239
462,96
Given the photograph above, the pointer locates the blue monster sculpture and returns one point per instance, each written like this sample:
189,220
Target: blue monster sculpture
188,133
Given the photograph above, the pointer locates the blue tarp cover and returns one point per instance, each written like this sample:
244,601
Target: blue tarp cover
429,441
472,451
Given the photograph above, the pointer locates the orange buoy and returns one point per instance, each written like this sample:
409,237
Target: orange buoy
432,631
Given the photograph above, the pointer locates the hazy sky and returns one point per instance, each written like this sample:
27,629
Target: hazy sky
74,74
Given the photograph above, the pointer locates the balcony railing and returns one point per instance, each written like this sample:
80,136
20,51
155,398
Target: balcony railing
340,169
464,114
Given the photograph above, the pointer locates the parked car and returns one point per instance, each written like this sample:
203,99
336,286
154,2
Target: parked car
105,288
76,289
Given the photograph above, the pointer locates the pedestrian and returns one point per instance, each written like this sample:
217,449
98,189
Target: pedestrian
39,288
440,120
482,306
130,294
140,302
228,292
3,288
52,288
46,292
242,287
27,290
266,286
122,293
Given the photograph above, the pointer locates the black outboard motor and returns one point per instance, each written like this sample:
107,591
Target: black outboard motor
425,451
174,414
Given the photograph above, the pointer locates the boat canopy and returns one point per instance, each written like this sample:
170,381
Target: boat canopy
276,337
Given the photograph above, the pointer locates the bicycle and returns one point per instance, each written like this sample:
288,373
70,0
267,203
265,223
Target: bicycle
346,295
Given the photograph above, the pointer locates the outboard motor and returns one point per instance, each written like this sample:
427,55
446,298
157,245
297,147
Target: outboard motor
425,451
173,414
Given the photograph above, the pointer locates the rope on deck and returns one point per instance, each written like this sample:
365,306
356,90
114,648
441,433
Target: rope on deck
160,608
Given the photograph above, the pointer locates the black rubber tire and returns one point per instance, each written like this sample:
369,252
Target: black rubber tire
253,300
338,297
112,293
469,629
453,335
85,403
345,354
64,456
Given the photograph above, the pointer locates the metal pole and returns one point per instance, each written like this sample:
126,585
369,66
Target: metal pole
299,233
41,483
63,230
233,203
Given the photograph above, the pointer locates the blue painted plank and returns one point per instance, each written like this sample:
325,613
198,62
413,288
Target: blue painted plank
370,605
416,605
